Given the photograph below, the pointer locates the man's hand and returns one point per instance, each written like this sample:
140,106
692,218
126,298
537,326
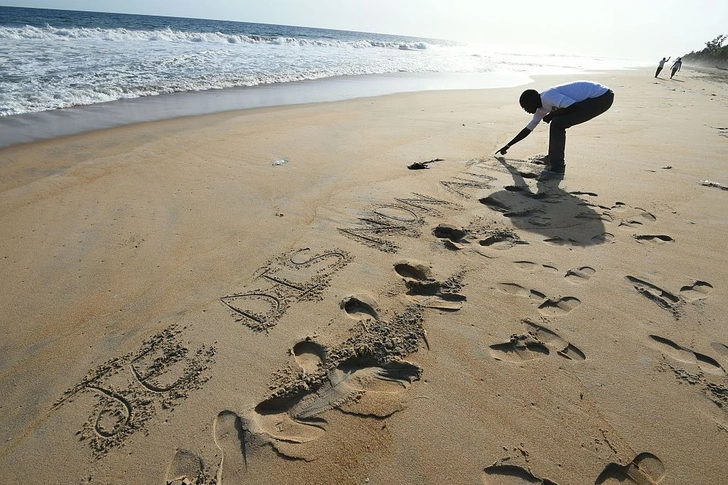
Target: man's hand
503,150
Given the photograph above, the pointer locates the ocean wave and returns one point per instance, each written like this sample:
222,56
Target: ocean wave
47,67
56,59
46,97
50,33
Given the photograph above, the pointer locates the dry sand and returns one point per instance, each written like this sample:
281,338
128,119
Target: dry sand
178,308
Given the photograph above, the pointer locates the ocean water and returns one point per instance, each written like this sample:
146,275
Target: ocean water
58,59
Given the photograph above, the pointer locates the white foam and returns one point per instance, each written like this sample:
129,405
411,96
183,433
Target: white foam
46,68
49,33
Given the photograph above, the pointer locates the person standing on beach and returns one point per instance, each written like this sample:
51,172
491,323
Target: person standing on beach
676,66
661,65
561,106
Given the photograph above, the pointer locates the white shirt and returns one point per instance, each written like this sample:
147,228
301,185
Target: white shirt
563,96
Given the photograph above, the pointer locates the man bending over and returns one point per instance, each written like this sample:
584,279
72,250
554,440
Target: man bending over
561,106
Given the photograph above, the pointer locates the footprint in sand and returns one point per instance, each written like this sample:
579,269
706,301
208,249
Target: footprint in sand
595,216
603,238
426,291
511,475
520,348
519,211
720,348
518,290
688,356
646,215
559,241
360,307
502,239
450,232
309,355
415,270
630,223
713,411
631,216
549,307
653,238
230,439
554,340
185,469
652,292
645,469
580,275
290,424
532,267
562,306
535,343
275,423
697,291
497,205
575,275
377,390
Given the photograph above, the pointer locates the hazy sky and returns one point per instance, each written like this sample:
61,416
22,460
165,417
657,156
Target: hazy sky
634,29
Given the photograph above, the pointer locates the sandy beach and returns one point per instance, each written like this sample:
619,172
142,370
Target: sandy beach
272,296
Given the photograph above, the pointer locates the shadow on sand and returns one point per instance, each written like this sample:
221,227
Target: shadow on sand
562,218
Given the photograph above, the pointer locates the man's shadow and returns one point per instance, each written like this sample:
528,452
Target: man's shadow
563,218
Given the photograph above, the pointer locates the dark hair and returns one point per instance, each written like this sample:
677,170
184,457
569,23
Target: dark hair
530,100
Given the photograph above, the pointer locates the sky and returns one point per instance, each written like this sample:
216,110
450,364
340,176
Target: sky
643,30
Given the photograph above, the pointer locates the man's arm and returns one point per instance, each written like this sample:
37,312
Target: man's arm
520,136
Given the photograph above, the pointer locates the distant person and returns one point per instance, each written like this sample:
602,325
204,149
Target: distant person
661,65
562,106
676,66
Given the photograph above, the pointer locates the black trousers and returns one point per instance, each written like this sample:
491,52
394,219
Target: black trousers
586,110
658,71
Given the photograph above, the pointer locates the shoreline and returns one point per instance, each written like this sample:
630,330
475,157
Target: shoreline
45,125
29,127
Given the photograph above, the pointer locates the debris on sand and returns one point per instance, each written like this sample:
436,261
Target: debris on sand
423,165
